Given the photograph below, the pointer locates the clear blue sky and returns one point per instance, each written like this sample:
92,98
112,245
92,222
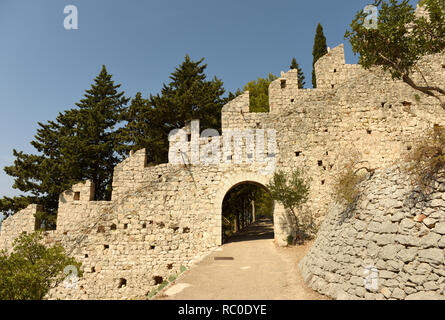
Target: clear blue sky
44,69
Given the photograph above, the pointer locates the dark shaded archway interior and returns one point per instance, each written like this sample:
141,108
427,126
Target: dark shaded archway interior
247,213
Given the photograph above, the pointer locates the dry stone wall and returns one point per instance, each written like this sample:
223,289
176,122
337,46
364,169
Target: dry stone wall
167,216
389,245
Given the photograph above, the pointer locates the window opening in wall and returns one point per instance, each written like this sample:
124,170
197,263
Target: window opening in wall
322,182
122,283
332,86
152,247
144,225
76,196
383,104
158,280
292,100
320,163
113,227
125,225
335,70
369,131
298,153
106,246
170,266
93,269
283,84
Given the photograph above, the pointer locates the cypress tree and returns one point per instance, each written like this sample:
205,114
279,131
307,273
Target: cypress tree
295,66
319,50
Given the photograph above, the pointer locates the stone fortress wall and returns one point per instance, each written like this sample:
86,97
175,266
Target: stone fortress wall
167,216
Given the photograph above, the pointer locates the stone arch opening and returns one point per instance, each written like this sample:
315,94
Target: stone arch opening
281,223
247,213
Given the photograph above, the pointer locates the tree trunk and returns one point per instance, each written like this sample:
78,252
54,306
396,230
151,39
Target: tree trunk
253,211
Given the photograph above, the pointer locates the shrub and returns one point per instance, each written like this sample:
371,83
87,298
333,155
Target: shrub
346,188
427,158
32,269
292,191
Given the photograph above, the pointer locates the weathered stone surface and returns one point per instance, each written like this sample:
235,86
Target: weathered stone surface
167,216
425,295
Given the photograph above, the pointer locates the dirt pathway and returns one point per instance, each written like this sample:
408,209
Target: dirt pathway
250,267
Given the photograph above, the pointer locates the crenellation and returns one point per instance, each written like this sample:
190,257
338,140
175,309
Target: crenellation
167,216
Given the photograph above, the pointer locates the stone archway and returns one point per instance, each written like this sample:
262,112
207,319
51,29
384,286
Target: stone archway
281,228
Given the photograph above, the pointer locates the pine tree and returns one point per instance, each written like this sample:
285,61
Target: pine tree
97,136
320,49
188,96
80,144
295,66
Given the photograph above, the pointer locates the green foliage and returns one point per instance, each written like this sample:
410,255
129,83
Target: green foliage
259,93
165,283
292,191
295,66
237,207
32,269
427,159
188,96
319,50
400,40
79,145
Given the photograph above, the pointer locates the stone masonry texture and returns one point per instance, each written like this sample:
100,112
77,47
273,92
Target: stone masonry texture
167,216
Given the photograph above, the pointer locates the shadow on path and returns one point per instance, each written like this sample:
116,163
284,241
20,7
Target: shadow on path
262,229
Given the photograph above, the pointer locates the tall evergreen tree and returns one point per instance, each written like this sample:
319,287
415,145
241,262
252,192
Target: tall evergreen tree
188,96
319,50
78,145
295,66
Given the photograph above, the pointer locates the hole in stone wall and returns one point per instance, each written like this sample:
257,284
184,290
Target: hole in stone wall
152,247
322,182
292,100
86,255
113,227
324,168
283,84
335,70
144,225
332,86
161,224
406,103
170,266
186,230
125,225
443,66
101,229
159,176
106,246
298,153
158,280
383,104
175,229
320,163
189,137
327,153
76,196
229,157
93,269
150,222
369,131
326,130
122,283
409,148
